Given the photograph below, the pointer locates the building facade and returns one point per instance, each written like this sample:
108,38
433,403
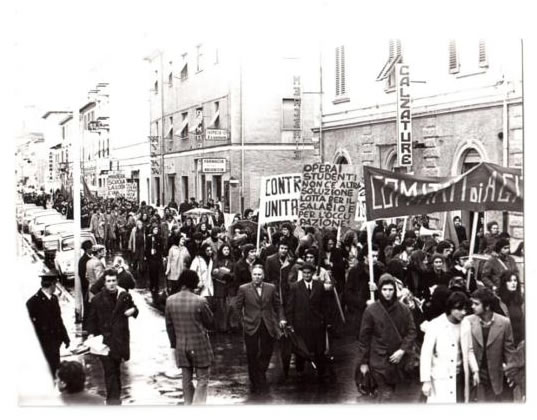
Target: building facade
466,107
227,119
95,139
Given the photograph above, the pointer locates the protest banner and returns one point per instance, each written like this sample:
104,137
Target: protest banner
328,196
117,185
279,198
359,216
487,186
131,192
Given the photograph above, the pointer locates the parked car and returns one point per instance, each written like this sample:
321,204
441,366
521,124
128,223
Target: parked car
54,228
31,213
37,225
65,254
21,208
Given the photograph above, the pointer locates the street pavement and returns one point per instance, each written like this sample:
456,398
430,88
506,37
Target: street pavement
144,375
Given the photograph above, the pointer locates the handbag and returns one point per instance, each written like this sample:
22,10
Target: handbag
365,384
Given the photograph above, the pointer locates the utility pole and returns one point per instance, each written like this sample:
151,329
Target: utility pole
162,182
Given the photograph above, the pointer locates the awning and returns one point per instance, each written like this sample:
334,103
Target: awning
213,120
169,133
387,69
183,125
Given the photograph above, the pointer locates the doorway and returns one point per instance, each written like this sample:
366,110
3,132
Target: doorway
171,186
184,187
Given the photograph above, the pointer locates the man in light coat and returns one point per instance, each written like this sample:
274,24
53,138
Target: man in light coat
441,363
188,319
95,267
488,338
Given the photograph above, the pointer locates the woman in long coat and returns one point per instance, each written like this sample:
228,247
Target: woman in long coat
203,266
222,280
178,260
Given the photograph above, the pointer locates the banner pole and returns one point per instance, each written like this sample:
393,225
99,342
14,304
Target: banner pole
472,246
338,238
444,225
370,260
404,227
258,234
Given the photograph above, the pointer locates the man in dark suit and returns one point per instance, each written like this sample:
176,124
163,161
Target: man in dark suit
46,316
82,264
261,308
306,312
188,319
488,337
278,268
109,316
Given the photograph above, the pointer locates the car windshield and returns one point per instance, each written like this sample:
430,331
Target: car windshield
68,244
47,218
62,227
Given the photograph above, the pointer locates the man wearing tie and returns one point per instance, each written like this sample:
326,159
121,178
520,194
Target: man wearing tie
306,312
260,305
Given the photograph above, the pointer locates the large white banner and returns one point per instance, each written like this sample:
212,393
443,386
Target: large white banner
279,198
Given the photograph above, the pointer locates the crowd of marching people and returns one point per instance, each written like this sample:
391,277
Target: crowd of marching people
425,314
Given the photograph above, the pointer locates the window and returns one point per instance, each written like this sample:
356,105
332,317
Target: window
341,88
199,58
454,65
184,69
155,87
483,61
170,79
108,148
184,126
288,109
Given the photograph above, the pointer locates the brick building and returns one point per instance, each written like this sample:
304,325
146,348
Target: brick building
466,108
229,118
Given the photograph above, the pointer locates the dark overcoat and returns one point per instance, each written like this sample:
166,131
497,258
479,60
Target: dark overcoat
379,340
306,313
46,317
108,318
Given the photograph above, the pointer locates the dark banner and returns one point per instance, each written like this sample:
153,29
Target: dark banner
485,187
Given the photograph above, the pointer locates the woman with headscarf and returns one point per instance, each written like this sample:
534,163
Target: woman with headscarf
223,269
202,264
438,274
188,228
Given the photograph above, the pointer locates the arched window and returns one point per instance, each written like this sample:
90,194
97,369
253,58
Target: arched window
342,160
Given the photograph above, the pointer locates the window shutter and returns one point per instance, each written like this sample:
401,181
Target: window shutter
453,61
337,72
483,62
343,88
